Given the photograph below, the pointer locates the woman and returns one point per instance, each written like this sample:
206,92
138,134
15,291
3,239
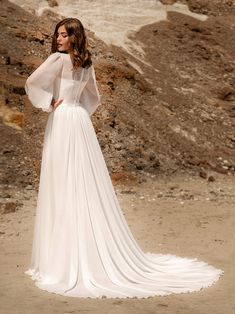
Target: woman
82,245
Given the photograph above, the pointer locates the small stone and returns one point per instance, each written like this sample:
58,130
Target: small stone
52,3
211,179
109,55
118,146
203,174
11,207
152,156
29,187
139,167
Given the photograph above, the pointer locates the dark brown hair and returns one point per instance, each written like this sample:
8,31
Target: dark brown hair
80,55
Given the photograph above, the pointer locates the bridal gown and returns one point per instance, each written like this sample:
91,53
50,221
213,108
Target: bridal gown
82,245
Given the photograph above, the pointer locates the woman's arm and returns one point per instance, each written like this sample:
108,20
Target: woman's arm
90,97
39,85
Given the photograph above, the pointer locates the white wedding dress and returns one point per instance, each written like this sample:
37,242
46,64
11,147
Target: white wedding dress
82,245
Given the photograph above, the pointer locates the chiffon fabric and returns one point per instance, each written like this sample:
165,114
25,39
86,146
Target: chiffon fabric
82,244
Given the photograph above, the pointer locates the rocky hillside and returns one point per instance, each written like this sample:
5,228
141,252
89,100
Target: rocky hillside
171,109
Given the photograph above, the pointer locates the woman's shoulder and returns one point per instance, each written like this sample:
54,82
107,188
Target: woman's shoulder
56,56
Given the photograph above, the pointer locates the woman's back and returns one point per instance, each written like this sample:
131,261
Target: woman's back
56,78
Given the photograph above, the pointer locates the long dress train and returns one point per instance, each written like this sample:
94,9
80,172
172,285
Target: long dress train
82,245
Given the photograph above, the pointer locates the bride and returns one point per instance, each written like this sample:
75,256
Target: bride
82,245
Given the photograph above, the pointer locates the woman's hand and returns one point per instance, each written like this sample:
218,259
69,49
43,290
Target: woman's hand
55,104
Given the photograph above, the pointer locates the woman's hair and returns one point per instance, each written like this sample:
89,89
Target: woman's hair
80,54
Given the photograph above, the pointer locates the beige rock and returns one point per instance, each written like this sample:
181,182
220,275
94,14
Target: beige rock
11,117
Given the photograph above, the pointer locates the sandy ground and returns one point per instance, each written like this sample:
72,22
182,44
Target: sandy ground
187,216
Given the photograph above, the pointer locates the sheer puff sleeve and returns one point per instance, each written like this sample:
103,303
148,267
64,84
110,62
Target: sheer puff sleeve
40,84
90,97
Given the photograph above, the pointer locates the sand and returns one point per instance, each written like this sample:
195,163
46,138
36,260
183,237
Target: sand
187,216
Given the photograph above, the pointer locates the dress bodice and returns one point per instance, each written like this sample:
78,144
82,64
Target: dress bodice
56,78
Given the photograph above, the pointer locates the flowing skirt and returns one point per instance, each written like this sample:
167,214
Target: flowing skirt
82,244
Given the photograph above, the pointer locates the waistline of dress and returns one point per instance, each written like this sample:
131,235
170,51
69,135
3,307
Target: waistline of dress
70,104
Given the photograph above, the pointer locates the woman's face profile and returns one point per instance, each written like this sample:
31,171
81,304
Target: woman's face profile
63,43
